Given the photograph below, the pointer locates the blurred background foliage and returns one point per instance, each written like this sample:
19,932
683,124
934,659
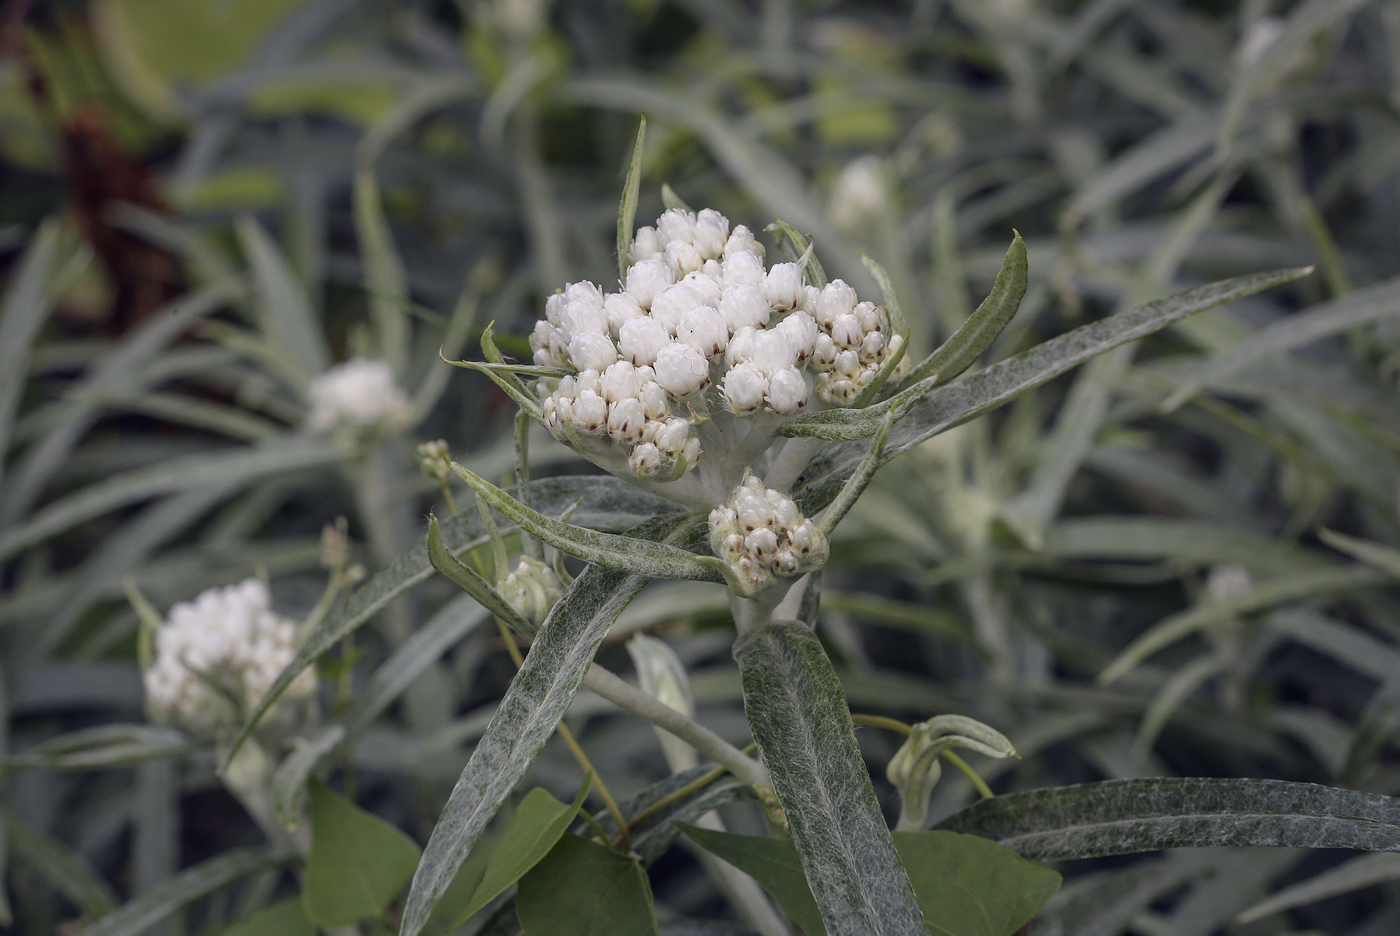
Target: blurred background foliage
1176,561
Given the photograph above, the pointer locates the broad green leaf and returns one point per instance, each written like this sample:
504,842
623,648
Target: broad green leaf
968,886
138,916
1265,595
976,335
101,748
537,698
607,503
582,888
358,862
965,885
1362,307
23,309
938,410
285,918
627,207
770,861
799,717
537,824
283,309
652,559
243,465
1118,817
64,869
1349,876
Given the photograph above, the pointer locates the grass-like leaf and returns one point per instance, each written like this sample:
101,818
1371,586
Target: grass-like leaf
101,748
284,311
627,206
23,309
802,724
1118,817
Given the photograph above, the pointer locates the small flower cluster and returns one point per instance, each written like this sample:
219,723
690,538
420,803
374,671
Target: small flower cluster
700,322
359,394
229,638
762,536
532,590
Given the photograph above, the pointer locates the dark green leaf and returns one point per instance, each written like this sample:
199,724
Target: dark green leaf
139,915
358,862
1118,817
968,886
582,888
285,918
799,717
770,861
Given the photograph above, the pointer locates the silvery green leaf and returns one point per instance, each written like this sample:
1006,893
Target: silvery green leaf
671,200
627,207
652,559
603,502
802,724
1349,876
467,579
860,479
137,916
796,247
101,748
64,869
23,309
537,698
289,780
653,817
284,310
1377,555
898,324
384,280
1119,817
662,674
976,335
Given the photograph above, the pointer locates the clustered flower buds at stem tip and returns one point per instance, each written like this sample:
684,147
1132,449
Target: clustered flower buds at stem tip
762,537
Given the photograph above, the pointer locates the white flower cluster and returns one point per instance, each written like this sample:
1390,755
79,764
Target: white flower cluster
226,637
762,536
532,590
360,394
699,323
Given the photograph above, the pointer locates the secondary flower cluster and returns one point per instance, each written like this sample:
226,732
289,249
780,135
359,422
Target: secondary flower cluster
359,394
700,323
762,536
225,645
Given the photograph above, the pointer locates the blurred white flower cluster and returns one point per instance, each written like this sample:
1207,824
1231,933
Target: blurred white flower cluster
701,333
227,645
359,394
762,536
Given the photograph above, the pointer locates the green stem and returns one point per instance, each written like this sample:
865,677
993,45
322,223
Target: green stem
968,772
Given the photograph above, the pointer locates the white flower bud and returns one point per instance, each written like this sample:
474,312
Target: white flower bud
671,304
858,196
772,351
672,435
641,339
743,267
787,391
626,419
360,394
582,318
683,258
618,308
837,298
568,388
619,382
588,380
681,370
539,337
543,357
872,347
590,412
552,307
585,292
715,271
846,332
783,286
645,460
741,241
702,329
654,400
646,244
848,365
785,510
711,233
707,287
592,351
786,563
801,333
741,345
824,353
761,543
646,278
676,224
870,317
743,305
563,414
690,452
744,388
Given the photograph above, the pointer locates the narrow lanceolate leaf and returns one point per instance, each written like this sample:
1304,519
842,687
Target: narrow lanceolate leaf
283,309
802,724
976,335
101,748
938,410
860,479
291,776
627,207
537,698
605,503
25,305
796,247
670,199
1378,555
898,324
652,559
502,375
469,580
137,916
1118,817
64,869
1343,879
384,276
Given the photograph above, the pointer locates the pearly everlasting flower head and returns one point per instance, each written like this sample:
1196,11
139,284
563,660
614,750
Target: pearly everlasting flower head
693,366
532,590
226,647
359,394
762,537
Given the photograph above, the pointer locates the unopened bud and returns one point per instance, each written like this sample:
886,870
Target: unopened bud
915,769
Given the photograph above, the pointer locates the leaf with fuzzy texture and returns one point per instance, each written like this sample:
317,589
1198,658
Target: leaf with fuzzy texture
627,206
139,915
1119,817
802,724
537,698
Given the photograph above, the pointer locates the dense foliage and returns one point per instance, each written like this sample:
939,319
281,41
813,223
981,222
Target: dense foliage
242,237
